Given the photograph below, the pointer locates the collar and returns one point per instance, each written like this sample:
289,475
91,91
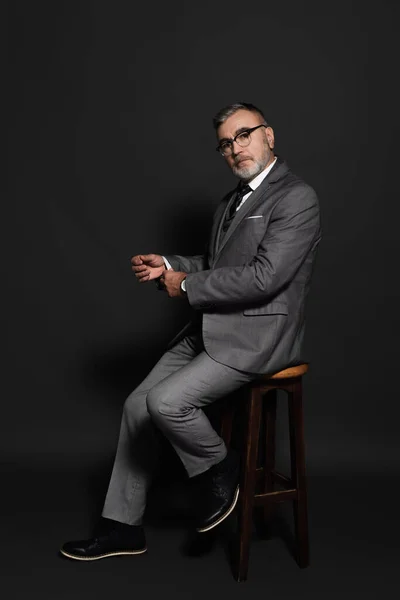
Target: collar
254,183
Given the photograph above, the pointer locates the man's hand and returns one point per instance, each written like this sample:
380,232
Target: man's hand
171,280
147,266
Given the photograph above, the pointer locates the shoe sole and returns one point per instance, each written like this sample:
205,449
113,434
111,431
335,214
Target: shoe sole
86,558
223,517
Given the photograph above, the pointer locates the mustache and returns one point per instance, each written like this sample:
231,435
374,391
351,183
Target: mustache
241,159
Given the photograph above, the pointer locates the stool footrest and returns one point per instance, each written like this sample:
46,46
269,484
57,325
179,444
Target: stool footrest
276,477
284,481
279,496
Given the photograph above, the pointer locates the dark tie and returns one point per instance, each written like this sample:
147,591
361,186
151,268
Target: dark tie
241,190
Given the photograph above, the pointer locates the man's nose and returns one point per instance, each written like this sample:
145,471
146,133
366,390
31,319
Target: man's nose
236,148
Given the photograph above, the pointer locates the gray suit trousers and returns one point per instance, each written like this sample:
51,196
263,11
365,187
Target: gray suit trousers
170,399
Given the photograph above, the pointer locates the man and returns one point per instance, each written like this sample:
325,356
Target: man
248,294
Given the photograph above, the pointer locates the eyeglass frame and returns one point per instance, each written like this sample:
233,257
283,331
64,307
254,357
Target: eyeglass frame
232,140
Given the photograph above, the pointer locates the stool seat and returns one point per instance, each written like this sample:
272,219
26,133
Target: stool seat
296,371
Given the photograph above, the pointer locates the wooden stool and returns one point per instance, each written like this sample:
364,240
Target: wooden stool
258,477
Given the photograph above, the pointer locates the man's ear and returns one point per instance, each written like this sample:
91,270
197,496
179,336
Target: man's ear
269,132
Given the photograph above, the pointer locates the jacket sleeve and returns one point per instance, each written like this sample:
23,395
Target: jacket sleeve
187,264
293,230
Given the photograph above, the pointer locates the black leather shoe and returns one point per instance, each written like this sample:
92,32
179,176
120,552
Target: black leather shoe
117,541
219,492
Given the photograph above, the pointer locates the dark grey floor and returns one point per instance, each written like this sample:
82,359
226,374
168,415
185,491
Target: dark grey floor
353,527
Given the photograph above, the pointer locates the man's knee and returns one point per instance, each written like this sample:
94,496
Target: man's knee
135,406
154,401
161,406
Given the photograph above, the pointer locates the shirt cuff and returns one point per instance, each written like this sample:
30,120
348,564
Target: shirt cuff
167,264
183,285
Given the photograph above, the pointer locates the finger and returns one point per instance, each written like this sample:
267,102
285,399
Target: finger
144,279
140,268
136,260
146,257
143,275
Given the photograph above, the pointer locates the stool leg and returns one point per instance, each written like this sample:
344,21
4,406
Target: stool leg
270,436
248,481
297,454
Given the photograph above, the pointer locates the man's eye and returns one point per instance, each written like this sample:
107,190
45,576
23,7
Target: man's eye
224,145
243,136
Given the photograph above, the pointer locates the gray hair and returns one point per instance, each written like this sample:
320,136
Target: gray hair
224,113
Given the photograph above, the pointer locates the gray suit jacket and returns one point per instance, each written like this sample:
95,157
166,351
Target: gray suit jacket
251,287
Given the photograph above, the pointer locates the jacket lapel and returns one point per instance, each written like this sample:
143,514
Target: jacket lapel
260,194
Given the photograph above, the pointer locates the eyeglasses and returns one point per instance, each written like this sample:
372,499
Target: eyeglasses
243,139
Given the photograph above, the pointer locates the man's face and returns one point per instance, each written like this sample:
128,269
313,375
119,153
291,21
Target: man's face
247,162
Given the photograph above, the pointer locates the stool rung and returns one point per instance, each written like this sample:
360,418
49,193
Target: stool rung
277,477
282,479
280,496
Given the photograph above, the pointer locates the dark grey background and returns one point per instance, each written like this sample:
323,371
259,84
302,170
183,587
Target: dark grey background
110,154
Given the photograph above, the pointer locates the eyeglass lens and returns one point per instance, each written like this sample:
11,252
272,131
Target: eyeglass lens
243,139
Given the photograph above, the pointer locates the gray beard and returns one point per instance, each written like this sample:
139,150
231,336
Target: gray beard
247,173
